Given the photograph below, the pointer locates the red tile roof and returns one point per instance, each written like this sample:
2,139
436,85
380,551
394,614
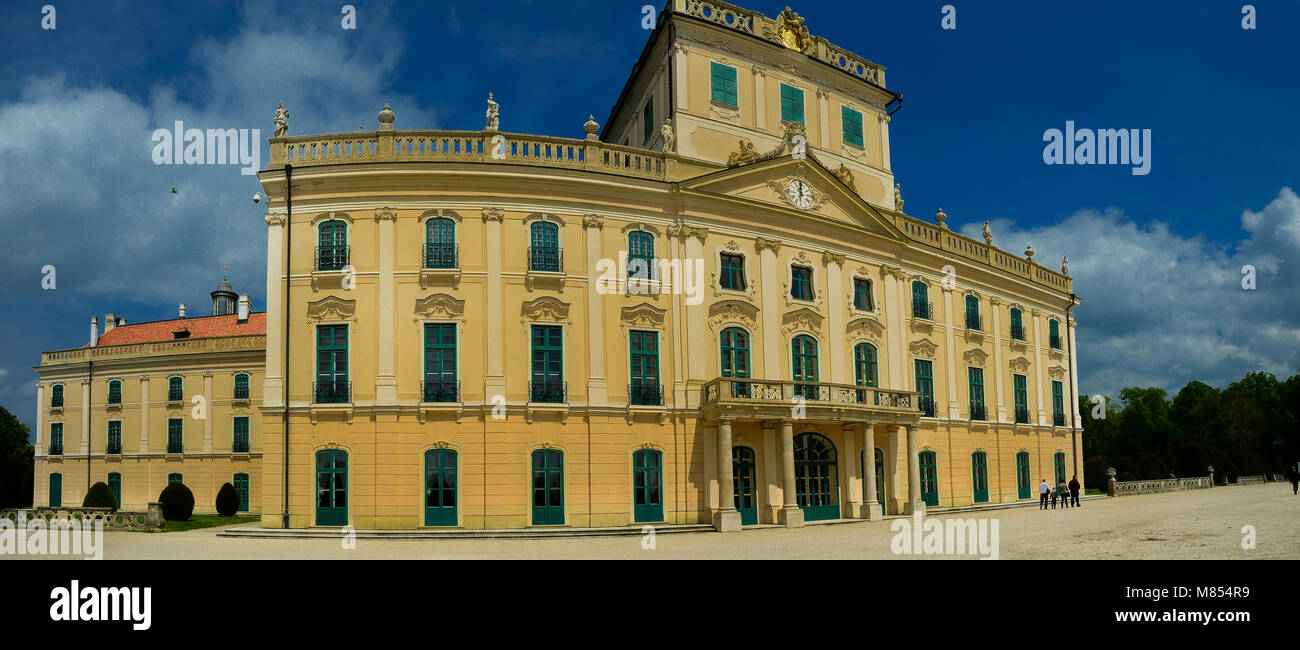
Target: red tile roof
200,328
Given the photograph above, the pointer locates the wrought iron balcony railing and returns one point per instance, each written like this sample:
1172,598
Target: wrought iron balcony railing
750,392
921,309
56,402
1022,415
1018,332
974,322
927,405
1058,419
441,256
175,445
440,390
643,394
332,258
977,411
548,391
545,259
335,391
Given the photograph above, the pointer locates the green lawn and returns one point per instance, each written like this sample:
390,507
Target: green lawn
1092,491
207,521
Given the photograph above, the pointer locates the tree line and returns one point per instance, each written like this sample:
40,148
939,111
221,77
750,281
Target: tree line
1251,427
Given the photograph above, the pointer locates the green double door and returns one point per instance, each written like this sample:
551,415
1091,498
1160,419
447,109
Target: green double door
331,487
929,478
743,490
1023,489
440,488
648,480
979,466
548,488
815,473
56,490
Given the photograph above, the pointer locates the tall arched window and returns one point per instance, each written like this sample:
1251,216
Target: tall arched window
440,243
1054,333
241,386
803,363
979,465
332,250
735,358
973,321
647,485
544,253
1059,462
175,389
1017,325
640,255
864,364
1022,475
920,300
115,392
56,396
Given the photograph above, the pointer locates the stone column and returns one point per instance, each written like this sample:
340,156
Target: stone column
914,502
494,381
41,434
896,338
697,335
386,379
770,312
1074,376
871,509
771,473
760,99
823,116
1038,368
954,411
273,384
85,419
995,308
839,357
207,412
850,471
884,140
726,519
711,488
791,516
679,78
597,388
144,408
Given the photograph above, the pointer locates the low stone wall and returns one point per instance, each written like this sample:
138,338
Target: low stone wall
152,520
1124,488
1250,480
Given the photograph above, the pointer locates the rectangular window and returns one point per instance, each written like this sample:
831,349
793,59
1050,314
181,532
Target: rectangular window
1054,333
1022,399
801,283
1058,404
976,376
791,104
547,383
332,386
56,438
733,272
241,386
648,120
723,84
175,477
440,383
862,299
114,392
114,445
925,385
240,443
644,350
175,389
852,121
175,436
920,300
1017,326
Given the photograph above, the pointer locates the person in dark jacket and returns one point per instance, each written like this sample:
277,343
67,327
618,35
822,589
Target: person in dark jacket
1042,494
1074,491
1295,480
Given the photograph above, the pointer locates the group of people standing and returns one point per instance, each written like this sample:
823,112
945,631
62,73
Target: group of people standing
1068,494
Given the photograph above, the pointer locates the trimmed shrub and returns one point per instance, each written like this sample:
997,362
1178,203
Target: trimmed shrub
227,501
1124,466
1126,477
177,502
1224,469
1094,473
1193,460
100,496
1153,467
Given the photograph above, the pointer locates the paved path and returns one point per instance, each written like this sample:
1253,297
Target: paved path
1196,524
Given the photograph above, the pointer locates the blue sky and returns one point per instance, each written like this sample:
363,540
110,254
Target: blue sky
1156,258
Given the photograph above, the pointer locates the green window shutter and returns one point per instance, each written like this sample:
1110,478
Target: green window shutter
548,365
723,84
56,438
864,364
925,385
643,350
791,104
115,392
440,381
175,389
114,445
240,437
115,484
976,378
332,386
56,490
241,488
56,396
852,122
735,352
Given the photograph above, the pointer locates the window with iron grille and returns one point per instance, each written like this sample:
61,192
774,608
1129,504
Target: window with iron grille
240,442
1022,399
114,442
976,378
175,389
925,385
241,386
175,436
115,392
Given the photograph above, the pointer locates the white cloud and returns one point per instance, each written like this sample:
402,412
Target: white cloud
1161,309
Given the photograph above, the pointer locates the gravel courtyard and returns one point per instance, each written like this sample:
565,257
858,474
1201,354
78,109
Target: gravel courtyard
1198,524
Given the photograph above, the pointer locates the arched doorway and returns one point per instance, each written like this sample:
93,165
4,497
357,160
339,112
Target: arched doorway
979,466
929,478
647,486
548,487
331,487
1022,475
440,488
815,473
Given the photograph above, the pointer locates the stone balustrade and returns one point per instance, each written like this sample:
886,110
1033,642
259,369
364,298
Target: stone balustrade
1124,488
180,346
151,520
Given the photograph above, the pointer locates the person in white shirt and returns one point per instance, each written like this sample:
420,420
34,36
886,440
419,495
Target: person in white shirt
1043,490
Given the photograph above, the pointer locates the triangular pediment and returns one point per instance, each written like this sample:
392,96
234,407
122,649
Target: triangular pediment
820,194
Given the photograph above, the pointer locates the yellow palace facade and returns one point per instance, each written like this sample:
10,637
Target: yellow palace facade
714,311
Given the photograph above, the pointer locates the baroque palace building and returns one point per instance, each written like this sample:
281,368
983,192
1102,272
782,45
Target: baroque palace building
149,404
714,311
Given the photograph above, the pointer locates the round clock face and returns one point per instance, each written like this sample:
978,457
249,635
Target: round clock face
800,194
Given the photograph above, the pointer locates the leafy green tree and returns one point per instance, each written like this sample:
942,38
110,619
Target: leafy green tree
16,462
1153,467
1198,412
1146,424
1099,433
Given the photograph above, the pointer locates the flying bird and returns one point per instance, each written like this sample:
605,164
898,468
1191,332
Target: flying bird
174,190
